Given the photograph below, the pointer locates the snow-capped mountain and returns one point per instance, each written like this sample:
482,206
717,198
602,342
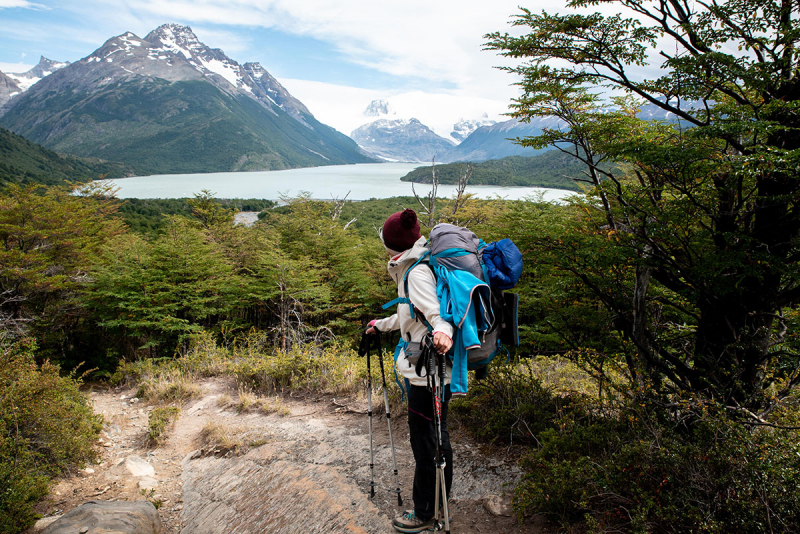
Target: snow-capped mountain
463,128
494,141
12,84
44,68
400,140
250,78
169,103
396,137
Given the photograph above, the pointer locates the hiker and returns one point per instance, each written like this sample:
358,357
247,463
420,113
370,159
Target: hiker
402,240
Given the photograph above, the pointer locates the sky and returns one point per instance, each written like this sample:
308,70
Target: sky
423,56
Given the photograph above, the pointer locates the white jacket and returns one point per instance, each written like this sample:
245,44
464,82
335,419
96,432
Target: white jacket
422,293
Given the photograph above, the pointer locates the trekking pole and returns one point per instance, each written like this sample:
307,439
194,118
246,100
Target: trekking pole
363,350
389,421
436,387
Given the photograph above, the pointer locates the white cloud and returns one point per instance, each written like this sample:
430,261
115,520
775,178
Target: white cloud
20,3
439,41
15,67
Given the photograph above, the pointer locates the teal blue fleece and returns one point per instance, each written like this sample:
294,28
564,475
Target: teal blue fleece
460,294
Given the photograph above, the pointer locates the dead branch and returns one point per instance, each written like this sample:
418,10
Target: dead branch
461,187
429,206
346,408
338,206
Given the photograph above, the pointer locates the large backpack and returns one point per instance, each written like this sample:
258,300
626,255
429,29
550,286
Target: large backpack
471,294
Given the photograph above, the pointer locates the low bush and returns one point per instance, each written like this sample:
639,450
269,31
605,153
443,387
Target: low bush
641,473
334,370
635,466
47,427
513,404
168,383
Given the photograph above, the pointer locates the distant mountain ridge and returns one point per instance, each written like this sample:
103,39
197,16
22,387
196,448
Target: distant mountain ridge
170,104
492,141
464,128
495,141
400,140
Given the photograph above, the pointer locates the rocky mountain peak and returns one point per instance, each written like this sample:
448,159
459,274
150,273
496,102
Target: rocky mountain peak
45,67
400,140
376,108
178,34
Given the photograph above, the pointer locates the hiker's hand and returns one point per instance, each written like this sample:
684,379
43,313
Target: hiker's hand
371,330
442,342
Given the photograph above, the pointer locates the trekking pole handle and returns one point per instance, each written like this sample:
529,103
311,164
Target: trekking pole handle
369,342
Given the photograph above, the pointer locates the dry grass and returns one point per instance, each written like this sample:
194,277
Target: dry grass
220,439
248,401
274,405
168,385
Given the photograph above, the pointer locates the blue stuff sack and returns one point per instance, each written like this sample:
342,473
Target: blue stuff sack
503,262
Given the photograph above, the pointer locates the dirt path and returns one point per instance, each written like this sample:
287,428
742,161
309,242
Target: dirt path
301,469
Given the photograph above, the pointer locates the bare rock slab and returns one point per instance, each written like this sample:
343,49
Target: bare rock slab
104,517
260,493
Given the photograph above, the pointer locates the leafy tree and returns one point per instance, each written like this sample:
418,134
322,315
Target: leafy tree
49,238
707,214
343,261
158,293
208,211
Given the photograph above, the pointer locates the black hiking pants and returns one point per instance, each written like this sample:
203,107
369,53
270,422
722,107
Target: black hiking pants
422,430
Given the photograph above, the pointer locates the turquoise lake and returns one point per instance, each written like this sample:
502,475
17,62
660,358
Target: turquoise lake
363,181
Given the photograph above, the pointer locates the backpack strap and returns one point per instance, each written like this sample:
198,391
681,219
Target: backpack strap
406,300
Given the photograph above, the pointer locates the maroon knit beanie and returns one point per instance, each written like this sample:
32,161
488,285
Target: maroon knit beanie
401,230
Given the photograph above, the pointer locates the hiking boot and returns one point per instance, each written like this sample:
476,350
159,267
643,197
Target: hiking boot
441,514
409,522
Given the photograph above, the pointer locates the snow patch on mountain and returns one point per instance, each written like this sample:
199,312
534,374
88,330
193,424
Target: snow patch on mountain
225,69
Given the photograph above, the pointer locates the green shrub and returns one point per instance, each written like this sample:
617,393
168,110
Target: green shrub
46,428
513,405
643,473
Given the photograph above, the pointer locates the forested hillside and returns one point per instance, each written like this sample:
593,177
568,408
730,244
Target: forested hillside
24,162
553,169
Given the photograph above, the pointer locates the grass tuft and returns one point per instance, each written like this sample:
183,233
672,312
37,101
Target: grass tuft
158,421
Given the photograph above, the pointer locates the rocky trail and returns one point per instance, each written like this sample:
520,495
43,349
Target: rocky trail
303,468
